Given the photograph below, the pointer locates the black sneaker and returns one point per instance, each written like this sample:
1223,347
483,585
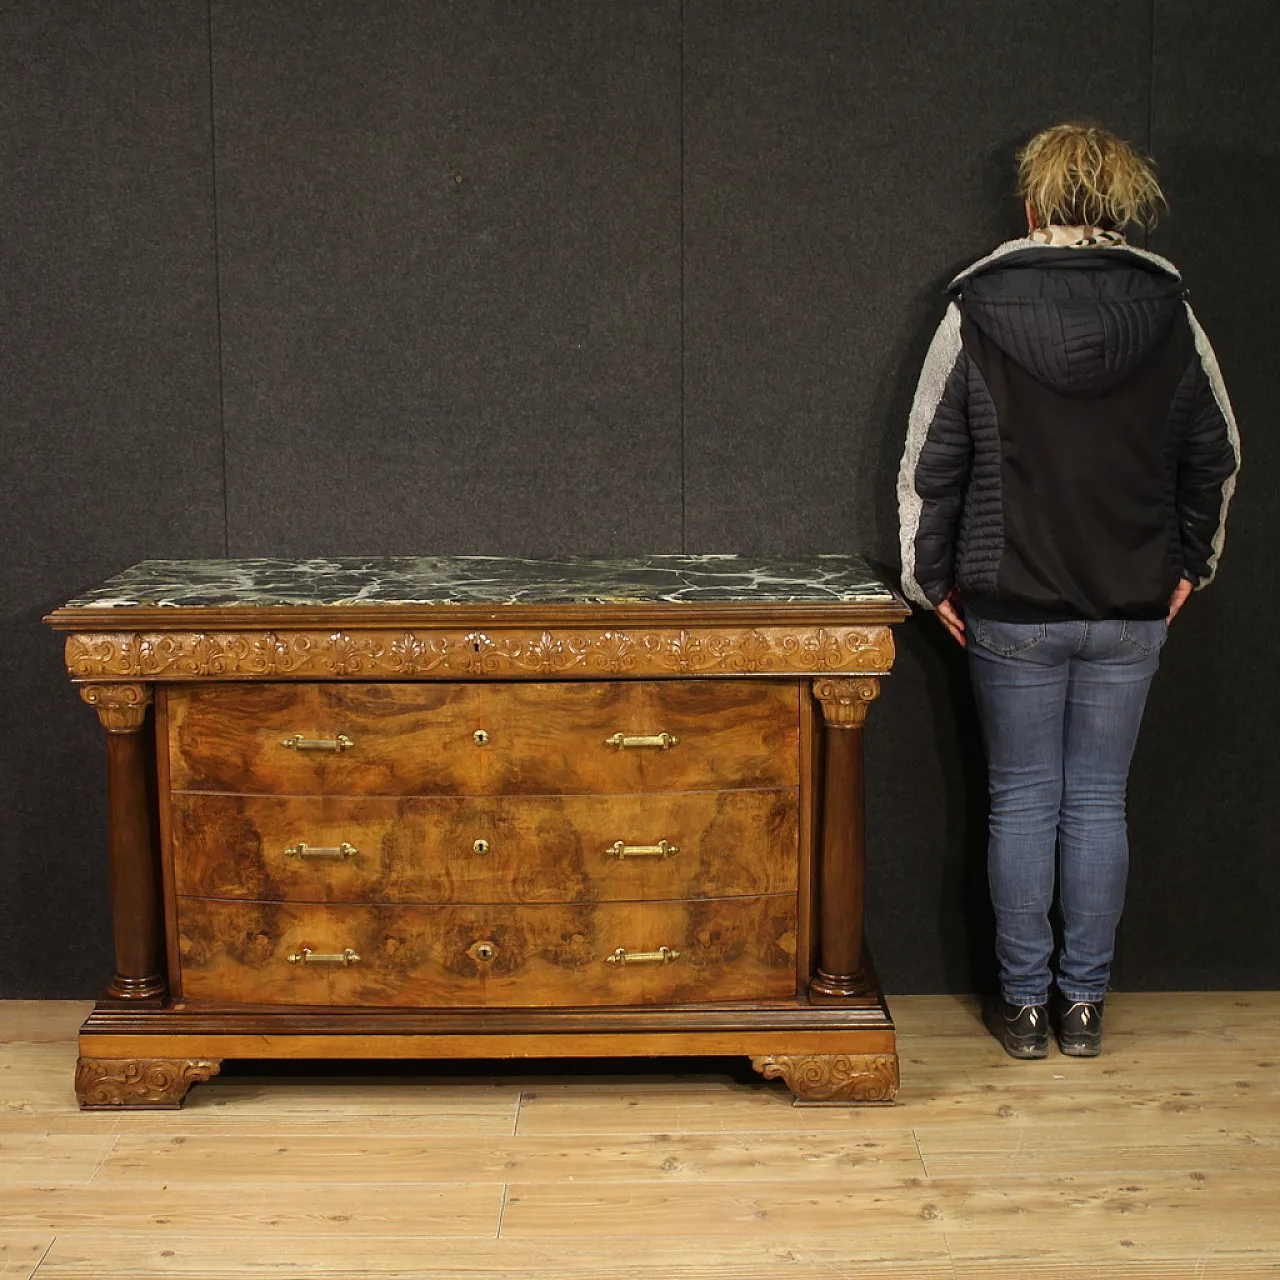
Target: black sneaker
1080,1028
1023,1029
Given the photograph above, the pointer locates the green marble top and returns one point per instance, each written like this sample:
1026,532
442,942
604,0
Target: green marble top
489,580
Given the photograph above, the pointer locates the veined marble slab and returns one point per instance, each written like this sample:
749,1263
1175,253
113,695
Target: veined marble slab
488,580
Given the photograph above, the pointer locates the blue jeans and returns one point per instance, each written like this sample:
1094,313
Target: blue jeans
1060,705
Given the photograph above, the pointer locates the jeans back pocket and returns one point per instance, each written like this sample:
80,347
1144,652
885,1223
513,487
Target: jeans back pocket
1146,635
1006,639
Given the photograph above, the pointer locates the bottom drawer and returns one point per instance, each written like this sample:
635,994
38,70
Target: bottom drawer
517,956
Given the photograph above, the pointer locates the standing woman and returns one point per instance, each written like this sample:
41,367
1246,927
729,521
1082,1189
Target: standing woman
1070,457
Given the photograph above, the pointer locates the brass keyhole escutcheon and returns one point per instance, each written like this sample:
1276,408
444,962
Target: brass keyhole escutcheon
482,950
480,737
481,846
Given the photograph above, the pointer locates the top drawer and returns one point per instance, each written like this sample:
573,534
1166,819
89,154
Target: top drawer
483,739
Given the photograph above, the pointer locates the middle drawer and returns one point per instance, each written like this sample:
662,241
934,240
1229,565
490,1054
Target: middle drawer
709,844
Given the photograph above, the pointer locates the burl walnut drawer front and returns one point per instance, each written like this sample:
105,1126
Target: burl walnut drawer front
607,954
484,739
696,844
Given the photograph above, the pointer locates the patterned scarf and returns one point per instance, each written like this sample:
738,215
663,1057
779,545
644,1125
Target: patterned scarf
1077,237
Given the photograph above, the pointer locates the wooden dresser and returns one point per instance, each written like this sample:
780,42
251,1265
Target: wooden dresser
473,807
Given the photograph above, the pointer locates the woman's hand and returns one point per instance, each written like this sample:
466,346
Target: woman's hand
1178,599
953,621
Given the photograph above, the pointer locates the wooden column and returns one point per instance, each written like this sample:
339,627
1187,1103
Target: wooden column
842,868
135,871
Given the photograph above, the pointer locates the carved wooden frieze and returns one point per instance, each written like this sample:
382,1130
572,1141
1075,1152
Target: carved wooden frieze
361,654
845,1077
108,1083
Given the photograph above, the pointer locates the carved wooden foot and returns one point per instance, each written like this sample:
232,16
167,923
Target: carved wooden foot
139,1084
834,1078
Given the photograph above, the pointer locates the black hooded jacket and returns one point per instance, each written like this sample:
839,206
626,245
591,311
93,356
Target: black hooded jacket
1071,451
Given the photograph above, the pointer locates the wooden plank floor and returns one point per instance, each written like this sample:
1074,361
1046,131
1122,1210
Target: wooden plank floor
1158,1161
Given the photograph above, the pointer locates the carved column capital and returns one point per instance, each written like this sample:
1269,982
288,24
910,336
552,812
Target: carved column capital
845,699
121,707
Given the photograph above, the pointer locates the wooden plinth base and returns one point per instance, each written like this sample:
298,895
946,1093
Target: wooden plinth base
148,1059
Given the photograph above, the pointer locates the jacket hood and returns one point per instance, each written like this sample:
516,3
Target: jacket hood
1078,318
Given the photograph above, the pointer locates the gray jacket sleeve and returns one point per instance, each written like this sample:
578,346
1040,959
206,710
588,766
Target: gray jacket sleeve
935,468
1208,462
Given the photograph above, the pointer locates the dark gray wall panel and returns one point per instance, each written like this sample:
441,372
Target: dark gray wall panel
841,162
415,363
108,408
450,270
928,911
55,928
1204,885
108,358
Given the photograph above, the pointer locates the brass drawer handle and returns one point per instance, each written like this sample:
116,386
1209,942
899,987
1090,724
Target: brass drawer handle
663,955
337,853
299,743
307,956
622,741
663,849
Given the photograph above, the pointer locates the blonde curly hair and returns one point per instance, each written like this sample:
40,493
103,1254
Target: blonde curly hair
1083,175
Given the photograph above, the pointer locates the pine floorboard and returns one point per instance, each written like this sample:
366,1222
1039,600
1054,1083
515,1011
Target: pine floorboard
1158,1161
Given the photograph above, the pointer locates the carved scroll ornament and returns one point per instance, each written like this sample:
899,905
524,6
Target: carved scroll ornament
139,1082
845,1077
445,655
